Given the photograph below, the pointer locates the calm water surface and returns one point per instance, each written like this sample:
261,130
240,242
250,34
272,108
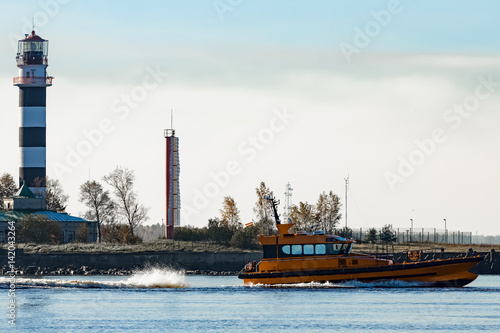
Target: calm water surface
159,300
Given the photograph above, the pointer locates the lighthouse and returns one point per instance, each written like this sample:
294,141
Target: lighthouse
32,80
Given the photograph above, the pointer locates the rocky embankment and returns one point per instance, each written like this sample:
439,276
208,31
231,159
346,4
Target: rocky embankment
206,263
85,270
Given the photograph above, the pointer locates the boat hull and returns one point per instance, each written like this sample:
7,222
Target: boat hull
438,273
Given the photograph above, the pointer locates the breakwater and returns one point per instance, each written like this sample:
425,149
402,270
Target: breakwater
207,263
210,263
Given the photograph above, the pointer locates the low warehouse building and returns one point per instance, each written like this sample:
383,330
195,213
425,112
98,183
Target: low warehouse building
24,203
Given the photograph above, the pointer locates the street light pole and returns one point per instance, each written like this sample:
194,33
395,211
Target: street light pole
411,229
445,232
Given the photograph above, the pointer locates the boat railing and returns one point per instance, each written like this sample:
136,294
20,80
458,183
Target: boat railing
421,254
412,254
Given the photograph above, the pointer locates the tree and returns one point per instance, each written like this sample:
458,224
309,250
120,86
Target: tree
387,234
262,206
82,233
54,194
7,187
128,206
345,232
219,232
303,215
119,233
328,211
152,232
39,229
230,213
190,233
371,236
55,198
101,207
245,239
263,210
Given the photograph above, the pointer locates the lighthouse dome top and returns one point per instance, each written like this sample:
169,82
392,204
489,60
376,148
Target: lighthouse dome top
33,37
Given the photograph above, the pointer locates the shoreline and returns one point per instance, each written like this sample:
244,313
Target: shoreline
191,263
38,272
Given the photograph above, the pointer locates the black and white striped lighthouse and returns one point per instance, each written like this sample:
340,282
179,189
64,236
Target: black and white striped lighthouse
32,60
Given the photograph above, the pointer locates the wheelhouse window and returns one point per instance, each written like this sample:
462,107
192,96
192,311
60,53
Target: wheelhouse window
320,248
345,249
308,249
333,248
296,249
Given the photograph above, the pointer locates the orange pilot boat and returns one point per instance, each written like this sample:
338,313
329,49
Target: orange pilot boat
290,258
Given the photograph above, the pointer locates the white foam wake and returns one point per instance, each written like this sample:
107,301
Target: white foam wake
153,277
346,284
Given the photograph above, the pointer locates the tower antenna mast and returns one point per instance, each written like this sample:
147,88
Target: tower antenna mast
346,188
288,202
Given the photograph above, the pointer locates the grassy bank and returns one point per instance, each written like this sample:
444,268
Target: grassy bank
154,246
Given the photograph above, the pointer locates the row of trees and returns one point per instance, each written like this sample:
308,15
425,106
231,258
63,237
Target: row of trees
228,229
117,214
385,235
325,215
110,214
225,230
40,229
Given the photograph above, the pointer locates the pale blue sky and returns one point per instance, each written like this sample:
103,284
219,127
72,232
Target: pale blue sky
226,76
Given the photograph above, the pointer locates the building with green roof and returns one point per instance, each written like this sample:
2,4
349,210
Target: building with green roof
24,203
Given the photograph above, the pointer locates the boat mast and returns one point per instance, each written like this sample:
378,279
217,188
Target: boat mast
274,204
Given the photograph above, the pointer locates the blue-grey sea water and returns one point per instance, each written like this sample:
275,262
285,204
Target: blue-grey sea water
161,300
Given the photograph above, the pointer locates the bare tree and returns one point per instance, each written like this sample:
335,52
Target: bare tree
7,187
230,213
55,197
122,180
101,207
